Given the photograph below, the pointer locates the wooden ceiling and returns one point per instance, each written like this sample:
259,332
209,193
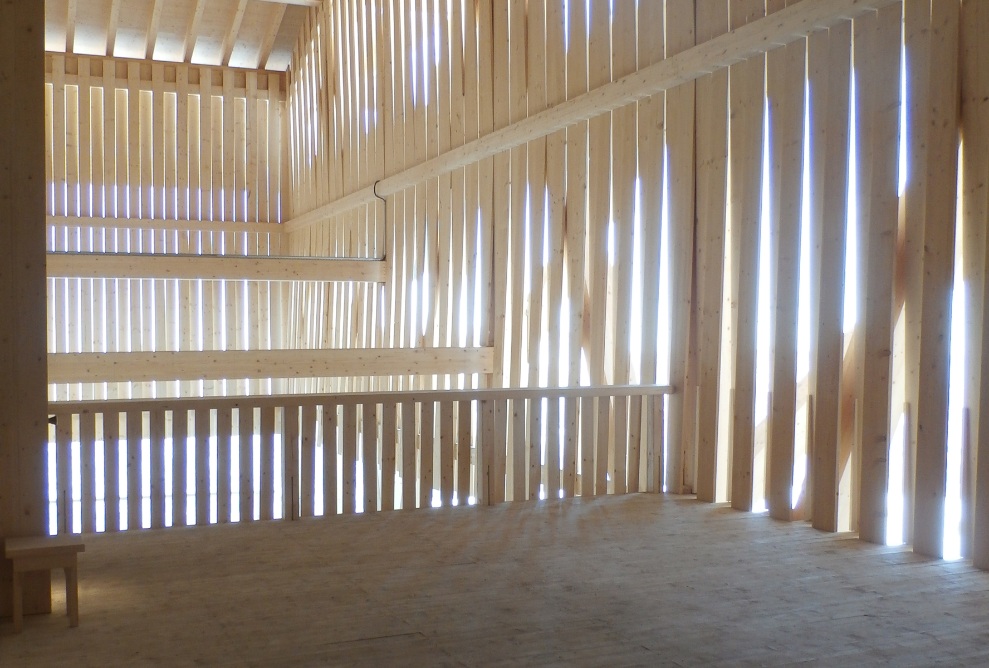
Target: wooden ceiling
256,34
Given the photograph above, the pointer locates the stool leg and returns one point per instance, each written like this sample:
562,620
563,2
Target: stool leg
72,594
18,601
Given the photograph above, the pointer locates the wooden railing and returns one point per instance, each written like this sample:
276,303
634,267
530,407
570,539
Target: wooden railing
386,451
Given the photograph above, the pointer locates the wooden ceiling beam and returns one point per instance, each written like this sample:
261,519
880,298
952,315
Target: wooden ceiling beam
70,26
231,39
756,38
111,27
299,3
215,267
192,34
153,29
268,41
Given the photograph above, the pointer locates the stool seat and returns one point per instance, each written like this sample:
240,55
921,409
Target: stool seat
43,554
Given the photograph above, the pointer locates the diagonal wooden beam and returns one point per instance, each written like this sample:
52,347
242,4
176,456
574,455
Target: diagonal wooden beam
756,38
231,39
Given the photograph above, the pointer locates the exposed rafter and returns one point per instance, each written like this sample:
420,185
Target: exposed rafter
268,42
153,29
192,34
111,27
70,25
231,39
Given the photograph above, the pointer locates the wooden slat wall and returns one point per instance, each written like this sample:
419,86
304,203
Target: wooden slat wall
156,158
570,229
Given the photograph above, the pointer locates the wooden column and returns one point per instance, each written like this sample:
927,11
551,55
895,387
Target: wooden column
23,393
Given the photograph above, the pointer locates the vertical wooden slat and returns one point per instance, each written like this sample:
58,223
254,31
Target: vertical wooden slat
180,467
878,96
496,454
519,486
746,138
570,442
833,210
267,467
349,426
603,436
974,73
388,426
87,470
156,440
587,434
408,455
203,477
785,76
938,273
427,440
307,459
290,461
447,452
330,473
63,473
224,447
134,461
245,472
464,448
369,456
111,467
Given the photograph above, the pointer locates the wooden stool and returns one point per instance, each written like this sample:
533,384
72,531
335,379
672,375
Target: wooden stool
44,554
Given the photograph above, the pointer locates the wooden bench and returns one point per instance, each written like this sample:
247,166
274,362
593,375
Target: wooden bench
44,554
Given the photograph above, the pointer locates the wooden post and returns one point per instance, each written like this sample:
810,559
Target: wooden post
23,394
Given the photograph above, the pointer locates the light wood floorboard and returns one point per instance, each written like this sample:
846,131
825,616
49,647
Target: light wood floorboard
634,580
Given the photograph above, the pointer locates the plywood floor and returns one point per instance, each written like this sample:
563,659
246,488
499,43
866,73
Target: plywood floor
635,580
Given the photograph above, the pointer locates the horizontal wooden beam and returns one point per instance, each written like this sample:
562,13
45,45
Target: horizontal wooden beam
158,225
783,27
238,364
391,397
301,3
215,267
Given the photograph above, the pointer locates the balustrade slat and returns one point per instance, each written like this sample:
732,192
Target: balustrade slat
307,473
497,452
553,449
223,456
267,468
290,462
408,455
518,450
534,409
369,456
388,426
634,443
180,467
87,470
157,455
601,445
464,451
620,470
657,430
570,447
349,425
135,430
426,440
447,449
330,472
245,472
587,471
202,466
63,472
111,470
